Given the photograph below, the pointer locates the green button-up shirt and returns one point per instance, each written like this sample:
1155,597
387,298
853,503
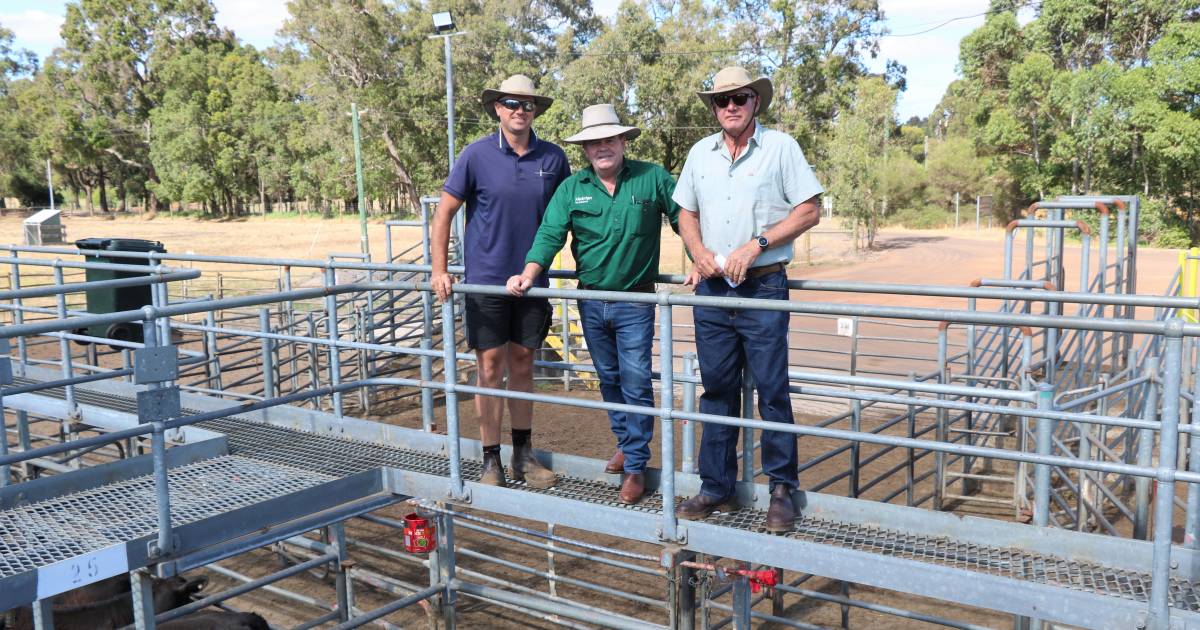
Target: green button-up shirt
614,237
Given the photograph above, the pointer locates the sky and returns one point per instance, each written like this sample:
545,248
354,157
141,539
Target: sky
924,35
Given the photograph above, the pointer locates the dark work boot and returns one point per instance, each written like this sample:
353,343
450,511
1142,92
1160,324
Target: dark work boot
632,488
781,516
700,506
525,467
493,470
616,463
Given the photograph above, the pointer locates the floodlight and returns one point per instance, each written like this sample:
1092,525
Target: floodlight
443,22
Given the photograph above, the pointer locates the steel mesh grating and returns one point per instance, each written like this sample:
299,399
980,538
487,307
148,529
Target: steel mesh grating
335,456
41,533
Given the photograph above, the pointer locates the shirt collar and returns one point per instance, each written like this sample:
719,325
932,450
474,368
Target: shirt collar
502,142
589,173
755,138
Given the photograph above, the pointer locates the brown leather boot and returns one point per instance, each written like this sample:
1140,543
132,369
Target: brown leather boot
781,516
525,467
632,488
616,463
700,506
493,470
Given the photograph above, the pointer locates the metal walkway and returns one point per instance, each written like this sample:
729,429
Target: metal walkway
267,462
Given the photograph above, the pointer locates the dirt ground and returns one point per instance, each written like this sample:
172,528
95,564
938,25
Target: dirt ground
948,257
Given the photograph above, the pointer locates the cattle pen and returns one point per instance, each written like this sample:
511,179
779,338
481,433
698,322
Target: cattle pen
1024,452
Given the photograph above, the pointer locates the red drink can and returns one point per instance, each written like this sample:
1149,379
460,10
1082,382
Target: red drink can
420,536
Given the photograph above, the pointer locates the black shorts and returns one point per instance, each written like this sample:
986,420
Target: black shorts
494,320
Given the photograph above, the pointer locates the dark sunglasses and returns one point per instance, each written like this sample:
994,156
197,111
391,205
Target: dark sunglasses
514,103
739,99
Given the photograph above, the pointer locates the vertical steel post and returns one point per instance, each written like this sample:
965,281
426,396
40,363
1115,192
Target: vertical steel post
268,354
855,447
18,317
427,421
158,453
142,587
344,585
450,371
213,356
747,432
1145,454
335,353
941,431
1164,501
741,603
666,369
5,469
447,567
1191,527
1041,474
565,334
43,614
910,467
358,176
689,405
64,348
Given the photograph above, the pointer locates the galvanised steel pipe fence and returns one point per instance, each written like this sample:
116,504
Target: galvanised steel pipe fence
1173,330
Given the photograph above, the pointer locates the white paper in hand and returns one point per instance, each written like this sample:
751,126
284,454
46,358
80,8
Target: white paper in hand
720,260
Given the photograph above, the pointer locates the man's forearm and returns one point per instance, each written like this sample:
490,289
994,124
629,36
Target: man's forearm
439,233
801,219
689,231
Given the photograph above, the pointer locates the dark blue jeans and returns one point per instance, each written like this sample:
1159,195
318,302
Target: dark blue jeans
619,336
727,340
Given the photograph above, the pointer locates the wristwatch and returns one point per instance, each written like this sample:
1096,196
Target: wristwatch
762,242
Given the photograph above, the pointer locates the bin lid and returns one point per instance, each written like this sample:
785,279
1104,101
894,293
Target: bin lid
120,244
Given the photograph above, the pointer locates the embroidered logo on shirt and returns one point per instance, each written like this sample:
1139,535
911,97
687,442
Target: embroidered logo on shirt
583,199
541,173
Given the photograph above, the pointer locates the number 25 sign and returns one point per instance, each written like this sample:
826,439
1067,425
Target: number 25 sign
81,570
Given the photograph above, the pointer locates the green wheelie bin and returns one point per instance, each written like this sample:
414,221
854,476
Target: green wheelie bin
113,300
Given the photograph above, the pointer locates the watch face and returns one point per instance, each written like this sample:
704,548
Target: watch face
762,242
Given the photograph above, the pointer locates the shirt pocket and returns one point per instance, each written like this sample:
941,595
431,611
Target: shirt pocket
645,218
587,223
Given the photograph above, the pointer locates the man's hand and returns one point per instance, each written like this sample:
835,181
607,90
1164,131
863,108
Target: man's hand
693,278
705,263
518,284
739,260
441,283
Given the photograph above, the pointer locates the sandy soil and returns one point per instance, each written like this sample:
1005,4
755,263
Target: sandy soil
950,257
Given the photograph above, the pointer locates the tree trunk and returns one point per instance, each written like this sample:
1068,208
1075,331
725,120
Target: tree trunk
406,182
103,184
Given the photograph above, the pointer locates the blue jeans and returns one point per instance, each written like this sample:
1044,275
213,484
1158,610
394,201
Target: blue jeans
727,340
619,336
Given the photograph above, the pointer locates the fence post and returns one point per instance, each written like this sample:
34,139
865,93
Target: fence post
1164,501
268,358
666,369
450,372
335,354
1041,479
1145,454
689,405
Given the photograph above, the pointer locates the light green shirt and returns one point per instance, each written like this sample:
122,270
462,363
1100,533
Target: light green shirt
614,237
737,201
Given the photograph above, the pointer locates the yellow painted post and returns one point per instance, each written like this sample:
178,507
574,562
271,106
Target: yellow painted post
1189,271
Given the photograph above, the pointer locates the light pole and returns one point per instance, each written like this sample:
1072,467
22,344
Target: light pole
358,175
443,25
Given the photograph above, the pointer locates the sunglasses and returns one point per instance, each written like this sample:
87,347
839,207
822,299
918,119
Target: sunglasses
513,104
739,99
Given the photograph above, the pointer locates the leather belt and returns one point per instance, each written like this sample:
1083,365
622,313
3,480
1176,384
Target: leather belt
645,287
757,272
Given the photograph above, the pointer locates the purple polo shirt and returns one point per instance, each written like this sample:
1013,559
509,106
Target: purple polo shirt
506,195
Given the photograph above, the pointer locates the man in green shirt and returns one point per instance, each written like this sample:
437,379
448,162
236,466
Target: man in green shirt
613,210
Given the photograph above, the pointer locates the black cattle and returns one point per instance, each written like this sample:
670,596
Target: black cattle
216,620
108,604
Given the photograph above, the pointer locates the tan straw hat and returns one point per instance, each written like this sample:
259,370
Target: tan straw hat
517,85
734,78
599,122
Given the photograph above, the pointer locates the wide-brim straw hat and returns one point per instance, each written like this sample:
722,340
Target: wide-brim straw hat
601,121
735,78
517,85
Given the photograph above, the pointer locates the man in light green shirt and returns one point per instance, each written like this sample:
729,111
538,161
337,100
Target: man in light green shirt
614,211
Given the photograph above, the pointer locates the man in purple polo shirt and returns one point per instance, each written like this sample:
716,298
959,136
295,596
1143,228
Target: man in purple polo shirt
506,179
